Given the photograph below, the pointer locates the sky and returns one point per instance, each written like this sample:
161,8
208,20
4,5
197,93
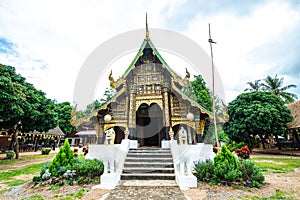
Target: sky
48,41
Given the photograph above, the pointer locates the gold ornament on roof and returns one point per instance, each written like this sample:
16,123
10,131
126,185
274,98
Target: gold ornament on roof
187,76
112,80
186,80
147,30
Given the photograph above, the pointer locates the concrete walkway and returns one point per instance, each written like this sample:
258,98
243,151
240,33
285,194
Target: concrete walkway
148,189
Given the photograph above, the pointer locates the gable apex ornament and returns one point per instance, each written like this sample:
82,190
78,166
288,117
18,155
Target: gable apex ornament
147,30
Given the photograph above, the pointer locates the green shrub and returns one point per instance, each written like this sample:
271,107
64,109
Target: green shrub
63,160
256,184
88,167
10,154
46,151
226,165
36,179
257,175
221,168
251,172
225,154
232,174
204,169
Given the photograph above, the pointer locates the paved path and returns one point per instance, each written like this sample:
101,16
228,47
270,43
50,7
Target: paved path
150,190
146,192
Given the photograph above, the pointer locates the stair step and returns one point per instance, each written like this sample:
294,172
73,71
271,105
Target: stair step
148,164
149,151
144,176
152,155
134,170
152,149
147,159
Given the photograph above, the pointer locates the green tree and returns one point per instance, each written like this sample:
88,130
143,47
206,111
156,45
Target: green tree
256,113
254,86
64,111
275,86
12,97
108,94
22,107
40,114
13,103
198,91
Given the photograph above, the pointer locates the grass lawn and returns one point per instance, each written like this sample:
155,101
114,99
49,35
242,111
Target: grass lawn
24,158
8,177
282,195
277,165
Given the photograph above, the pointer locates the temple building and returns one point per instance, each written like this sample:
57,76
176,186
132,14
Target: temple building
150,103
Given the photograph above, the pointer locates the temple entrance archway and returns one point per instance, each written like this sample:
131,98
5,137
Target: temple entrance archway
149,124
191,132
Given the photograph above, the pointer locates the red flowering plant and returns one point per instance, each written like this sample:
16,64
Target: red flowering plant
243,152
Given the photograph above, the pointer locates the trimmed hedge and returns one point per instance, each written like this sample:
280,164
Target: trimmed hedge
46,151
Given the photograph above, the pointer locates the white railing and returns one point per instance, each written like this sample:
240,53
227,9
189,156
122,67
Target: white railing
113,157
184,157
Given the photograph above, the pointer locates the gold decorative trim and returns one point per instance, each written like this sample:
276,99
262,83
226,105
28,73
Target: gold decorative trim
108,126
148,102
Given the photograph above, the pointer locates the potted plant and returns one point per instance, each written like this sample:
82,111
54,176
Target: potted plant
243,152
10,154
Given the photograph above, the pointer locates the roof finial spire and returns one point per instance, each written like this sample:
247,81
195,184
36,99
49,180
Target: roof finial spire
147,30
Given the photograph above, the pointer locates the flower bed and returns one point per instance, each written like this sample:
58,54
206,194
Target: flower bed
65,169
227,169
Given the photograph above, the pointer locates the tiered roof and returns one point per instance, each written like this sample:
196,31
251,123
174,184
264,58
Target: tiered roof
295,112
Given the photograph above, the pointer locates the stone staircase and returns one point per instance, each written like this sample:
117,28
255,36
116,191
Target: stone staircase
148,164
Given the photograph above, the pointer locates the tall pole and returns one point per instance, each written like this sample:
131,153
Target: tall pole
213,85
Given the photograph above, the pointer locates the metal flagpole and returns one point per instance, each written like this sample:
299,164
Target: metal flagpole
213,85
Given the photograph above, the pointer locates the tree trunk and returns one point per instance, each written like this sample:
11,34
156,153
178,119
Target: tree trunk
36,139
15,135
297,139
278,143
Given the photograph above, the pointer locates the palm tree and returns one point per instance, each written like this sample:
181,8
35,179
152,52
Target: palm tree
254,86
275,86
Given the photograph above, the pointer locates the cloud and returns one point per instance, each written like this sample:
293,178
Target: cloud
250,46
48,41
11,54
63,33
